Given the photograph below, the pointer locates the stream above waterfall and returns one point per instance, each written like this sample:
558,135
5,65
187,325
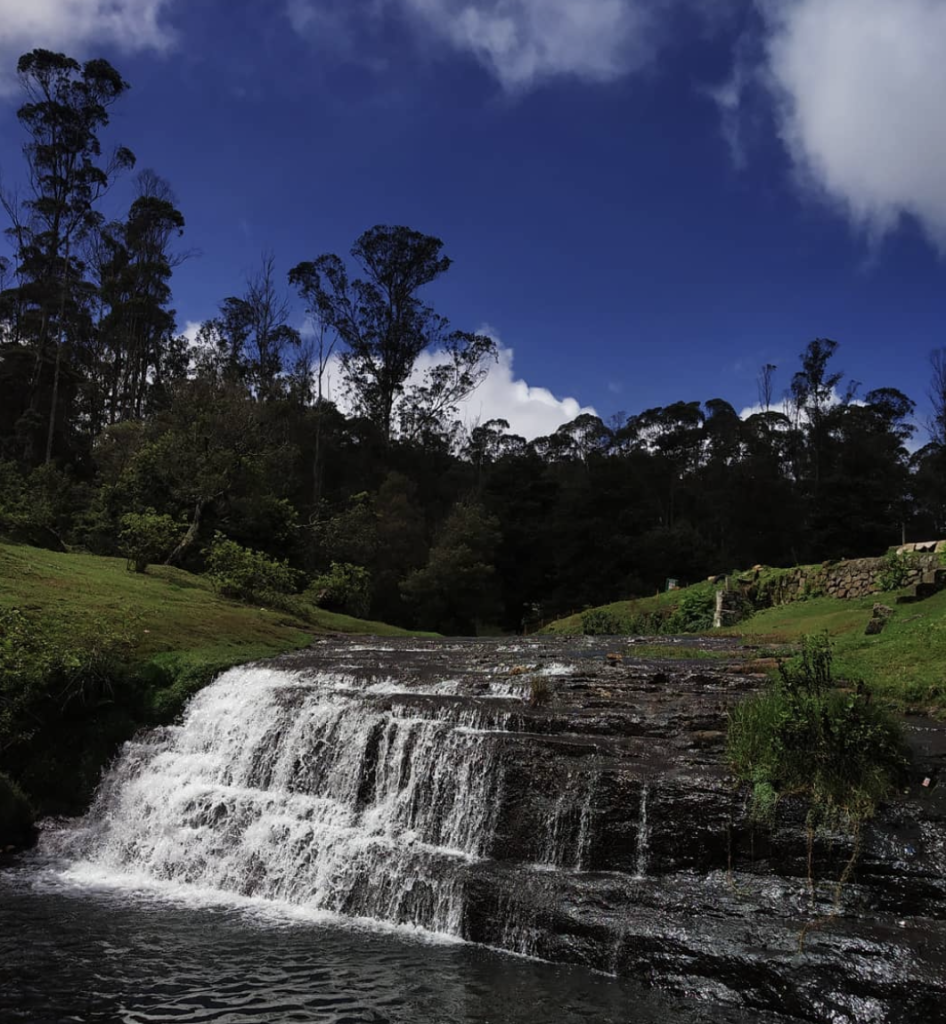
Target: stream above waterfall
555,799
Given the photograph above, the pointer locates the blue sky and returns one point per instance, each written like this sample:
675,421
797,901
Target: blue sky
645,199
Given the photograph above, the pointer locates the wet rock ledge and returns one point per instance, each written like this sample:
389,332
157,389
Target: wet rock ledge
619,841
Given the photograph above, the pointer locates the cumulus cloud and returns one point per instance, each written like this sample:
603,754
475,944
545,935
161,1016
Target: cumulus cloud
77,26
858,87
523,42
787,407
520,42
190,332
530,411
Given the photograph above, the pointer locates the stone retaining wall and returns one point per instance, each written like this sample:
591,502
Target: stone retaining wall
844,579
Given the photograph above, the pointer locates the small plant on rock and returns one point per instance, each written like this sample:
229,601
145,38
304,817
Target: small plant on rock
540,691
897,570
834,748
804,736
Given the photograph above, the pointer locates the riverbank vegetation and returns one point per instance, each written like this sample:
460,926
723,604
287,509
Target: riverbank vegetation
904,666
90,653
805,736
166,473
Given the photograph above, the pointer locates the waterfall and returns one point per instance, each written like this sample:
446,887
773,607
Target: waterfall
402,787
568,828
643,835
362,798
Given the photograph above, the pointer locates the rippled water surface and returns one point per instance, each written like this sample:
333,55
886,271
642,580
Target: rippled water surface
71,953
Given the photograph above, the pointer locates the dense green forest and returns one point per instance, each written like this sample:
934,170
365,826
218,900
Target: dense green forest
120,436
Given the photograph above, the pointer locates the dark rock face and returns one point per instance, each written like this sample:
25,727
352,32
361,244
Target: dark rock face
621,843
17,830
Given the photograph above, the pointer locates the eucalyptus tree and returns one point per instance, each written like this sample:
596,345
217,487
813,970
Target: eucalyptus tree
263,313
66,107
134,263
248,342
937,396
384,326
929,463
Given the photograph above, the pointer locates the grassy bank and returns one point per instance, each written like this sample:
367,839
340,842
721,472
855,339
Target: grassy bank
167,609
685,610
90,653
905,665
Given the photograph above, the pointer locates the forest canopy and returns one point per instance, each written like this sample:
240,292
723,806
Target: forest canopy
119,435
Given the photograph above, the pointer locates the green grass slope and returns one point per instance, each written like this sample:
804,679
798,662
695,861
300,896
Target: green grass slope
90,653
905,665
166,609
658,607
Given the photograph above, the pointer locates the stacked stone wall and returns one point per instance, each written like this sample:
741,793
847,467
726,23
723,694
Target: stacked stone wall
858,577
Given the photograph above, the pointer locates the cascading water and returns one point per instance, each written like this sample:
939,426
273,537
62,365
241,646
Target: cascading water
338,794
643,835
569,825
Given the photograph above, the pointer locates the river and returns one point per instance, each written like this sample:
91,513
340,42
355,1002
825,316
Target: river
76,951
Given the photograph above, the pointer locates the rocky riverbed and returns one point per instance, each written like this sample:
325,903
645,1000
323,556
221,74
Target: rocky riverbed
619,841
566,799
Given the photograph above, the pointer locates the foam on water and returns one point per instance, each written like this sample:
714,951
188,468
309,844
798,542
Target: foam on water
336,795
303,791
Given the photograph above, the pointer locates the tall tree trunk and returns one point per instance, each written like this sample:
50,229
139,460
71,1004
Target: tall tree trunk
188,539
53,403
60,339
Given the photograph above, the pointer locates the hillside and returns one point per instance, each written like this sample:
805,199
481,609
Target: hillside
166,609
905,665
90,653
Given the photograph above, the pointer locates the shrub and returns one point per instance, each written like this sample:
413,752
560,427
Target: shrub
804,736
344,588
248,575
170,679
540,691
693,615
66,700
896,570
38,508
695,612
147,537
602,622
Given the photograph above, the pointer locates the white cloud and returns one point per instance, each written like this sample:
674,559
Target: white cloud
77,27
523,42
326,22
782,405
191,330
859,87
530,411
787,407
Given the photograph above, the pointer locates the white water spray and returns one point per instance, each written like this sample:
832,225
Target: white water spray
643,835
